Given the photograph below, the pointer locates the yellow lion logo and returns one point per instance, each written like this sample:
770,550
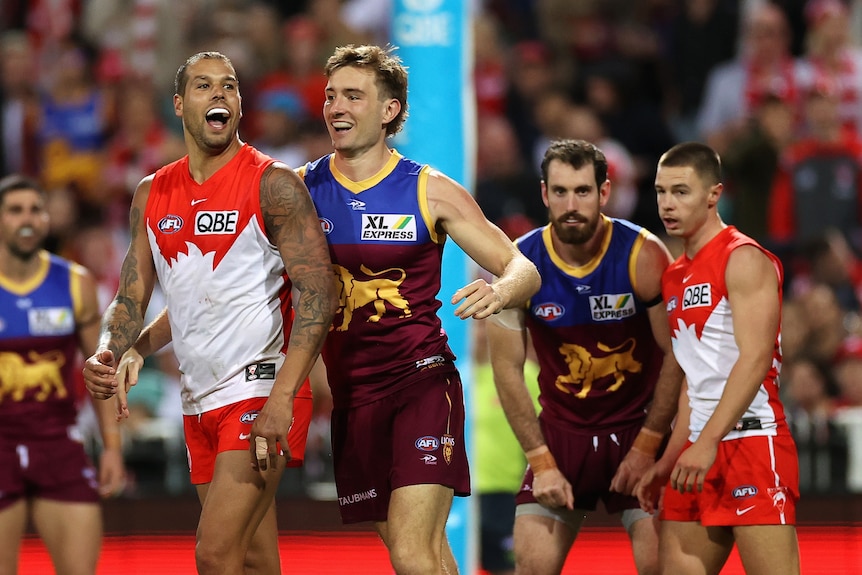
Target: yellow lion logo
18,376
357,293
585,368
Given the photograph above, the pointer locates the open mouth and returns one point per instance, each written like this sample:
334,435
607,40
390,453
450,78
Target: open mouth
218,117
341,126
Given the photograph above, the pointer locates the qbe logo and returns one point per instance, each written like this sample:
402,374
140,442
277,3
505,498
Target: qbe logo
699,295
423,23
214,223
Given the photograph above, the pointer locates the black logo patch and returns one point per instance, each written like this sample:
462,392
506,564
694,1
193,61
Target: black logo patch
257,371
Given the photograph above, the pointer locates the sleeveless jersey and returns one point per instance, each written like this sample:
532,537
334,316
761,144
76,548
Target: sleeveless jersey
227,291
702,330
38,351
598,359
387,258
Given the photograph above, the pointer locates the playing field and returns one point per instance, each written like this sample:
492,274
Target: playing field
825,550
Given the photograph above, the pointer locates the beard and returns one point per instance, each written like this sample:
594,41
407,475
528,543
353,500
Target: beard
25,255
574,236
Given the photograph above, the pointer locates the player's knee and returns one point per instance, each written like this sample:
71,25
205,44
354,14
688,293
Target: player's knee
210,558
408,559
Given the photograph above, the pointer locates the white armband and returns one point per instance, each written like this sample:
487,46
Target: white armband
510,319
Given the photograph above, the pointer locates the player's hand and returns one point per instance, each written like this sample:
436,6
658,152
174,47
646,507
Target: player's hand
99,375
650,488
128,372
691,468
551,489
480,300
630,471
112,474
268,439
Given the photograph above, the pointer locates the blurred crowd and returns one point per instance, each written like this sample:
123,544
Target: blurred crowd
774,87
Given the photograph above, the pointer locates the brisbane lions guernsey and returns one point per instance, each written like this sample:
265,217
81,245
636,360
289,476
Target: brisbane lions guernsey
701,326
38,351
598,360
227,292
387,258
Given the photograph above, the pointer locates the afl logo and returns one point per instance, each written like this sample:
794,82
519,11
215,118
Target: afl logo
744,492
249,416
326,226
170,224
427,443
672,304
549,311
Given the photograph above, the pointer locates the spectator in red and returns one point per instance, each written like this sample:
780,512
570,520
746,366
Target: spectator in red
818,185
831,57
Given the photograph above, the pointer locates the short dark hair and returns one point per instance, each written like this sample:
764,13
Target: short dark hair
15,182
389,72
182,79
704,160
576,153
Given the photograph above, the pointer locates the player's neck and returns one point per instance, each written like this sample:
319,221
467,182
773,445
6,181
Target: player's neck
203,164
364,164
696,241
18,269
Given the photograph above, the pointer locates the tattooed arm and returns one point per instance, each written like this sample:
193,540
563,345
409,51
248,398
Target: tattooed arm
124,318
292,225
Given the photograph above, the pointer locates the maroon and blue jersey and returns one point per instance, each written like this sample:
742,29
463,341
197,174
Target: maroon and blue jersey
598,359
38,351
387,256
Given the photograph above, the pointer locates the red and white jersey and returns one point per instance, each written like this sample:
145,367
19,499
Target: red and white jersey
227,292
703,339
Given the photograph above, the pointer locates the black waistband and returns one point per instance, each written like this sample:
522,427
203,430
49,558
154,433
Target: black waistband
747,423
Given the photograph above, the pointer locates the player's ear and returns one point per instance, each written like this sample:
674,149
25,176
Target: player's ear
714,194
391,109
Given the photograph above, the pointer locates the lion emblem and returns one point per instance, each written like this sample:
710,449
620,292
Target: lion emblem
357,293
585,368
42,373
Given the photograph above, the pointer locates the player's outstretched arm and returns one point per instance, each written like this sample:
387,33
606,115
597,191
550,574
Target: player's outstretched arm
457,214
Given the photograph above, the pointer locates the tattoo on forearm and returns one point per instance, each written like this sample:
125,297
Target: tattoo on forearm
123,320
293,226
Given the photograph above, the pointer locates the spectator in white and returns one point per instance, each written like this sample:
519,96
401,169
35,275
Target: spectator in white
764,68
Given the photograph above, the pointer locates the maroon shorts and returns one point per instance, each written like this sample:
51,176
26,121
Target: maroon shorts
589,462
414,436
46,468
753,481
228,429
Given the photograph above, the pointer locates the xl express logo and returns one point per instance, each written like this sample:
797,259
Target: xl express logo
610,307
388,227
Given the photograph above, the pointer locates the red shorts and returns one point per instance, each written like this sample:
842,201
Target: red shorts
228,428
414,436
754,481
46,468
589,462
